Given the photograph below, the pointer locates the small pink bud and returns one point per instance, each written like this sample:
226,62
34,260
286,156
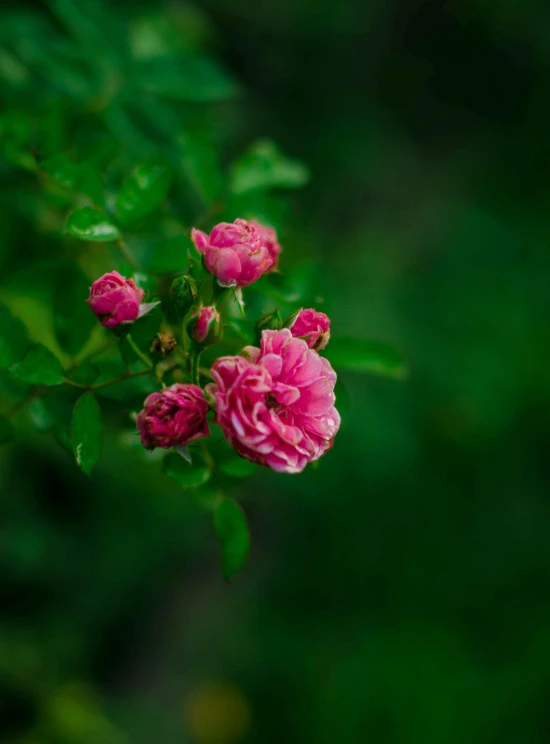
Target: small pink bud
175,417
235,253
114,299
205,326
313,327
269,236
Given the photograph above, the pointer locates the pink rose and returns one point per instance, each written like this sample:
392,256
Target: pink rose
115,299
205,325
234,252
269,236
174,417
313,327
276,407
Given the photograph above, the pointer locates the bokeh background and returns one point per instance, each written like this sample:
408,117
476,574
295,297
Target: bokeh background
401,592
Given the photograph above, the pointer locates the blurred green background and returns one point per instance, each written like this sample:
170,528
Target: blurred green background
401,592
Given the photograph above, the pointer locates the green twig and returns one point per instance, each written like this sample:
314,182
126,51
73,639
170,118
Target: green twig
123,248
98,385
195,370
145,359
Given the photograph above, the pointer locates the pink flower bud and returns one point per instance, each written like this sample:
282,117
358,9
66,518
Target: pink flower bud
269,236
276,407
115,299
234,253
313,327
174,417
205,325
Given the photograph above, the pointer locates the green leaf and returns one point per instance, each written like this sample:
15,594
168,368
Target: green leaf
87,432
184,78
374,357
6,429
89,224
188,476
73,320
85,374
200,164
40,415
142,192
265,167
170,257
84,177
39,367
232,530
14,340
238,467
62,169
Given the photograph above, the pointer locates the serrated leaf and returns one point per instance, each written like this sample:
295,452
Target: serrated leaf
142,192
87,432
72,320
89,224
238,467
14,340
358,355
6,430
265,167
187,475
39,367
170,257
232,530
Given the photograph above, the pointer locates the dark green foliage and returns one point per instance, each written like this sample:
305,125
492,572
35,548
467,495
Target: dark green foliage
232,530
87,432
38,367
398,594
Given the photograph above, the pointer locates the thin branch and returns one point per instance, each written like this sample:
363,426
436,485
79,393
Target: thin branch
99,385
123,248
145,359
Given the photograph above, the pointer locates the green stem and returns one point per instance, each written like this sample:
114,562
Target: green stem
206,455
99,385
123,248
195,359
139,352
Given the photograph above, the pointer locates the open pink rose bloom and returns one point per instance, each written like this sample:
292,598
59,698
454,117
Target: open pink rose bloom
174,417
235,253
115,299
276,407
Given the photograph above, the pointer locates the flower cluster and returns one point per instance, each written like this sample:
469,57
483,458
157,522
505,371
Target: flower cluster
274,403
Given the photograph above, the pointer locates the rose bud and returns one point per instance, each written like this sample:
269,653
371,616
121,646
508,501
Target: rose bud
312,326
234,253
162,345
205,326
114,299
174,417
269,237
184,292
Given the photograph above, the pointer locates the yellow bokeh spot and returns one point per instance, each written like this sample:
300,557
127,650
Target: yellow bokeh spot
217,714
